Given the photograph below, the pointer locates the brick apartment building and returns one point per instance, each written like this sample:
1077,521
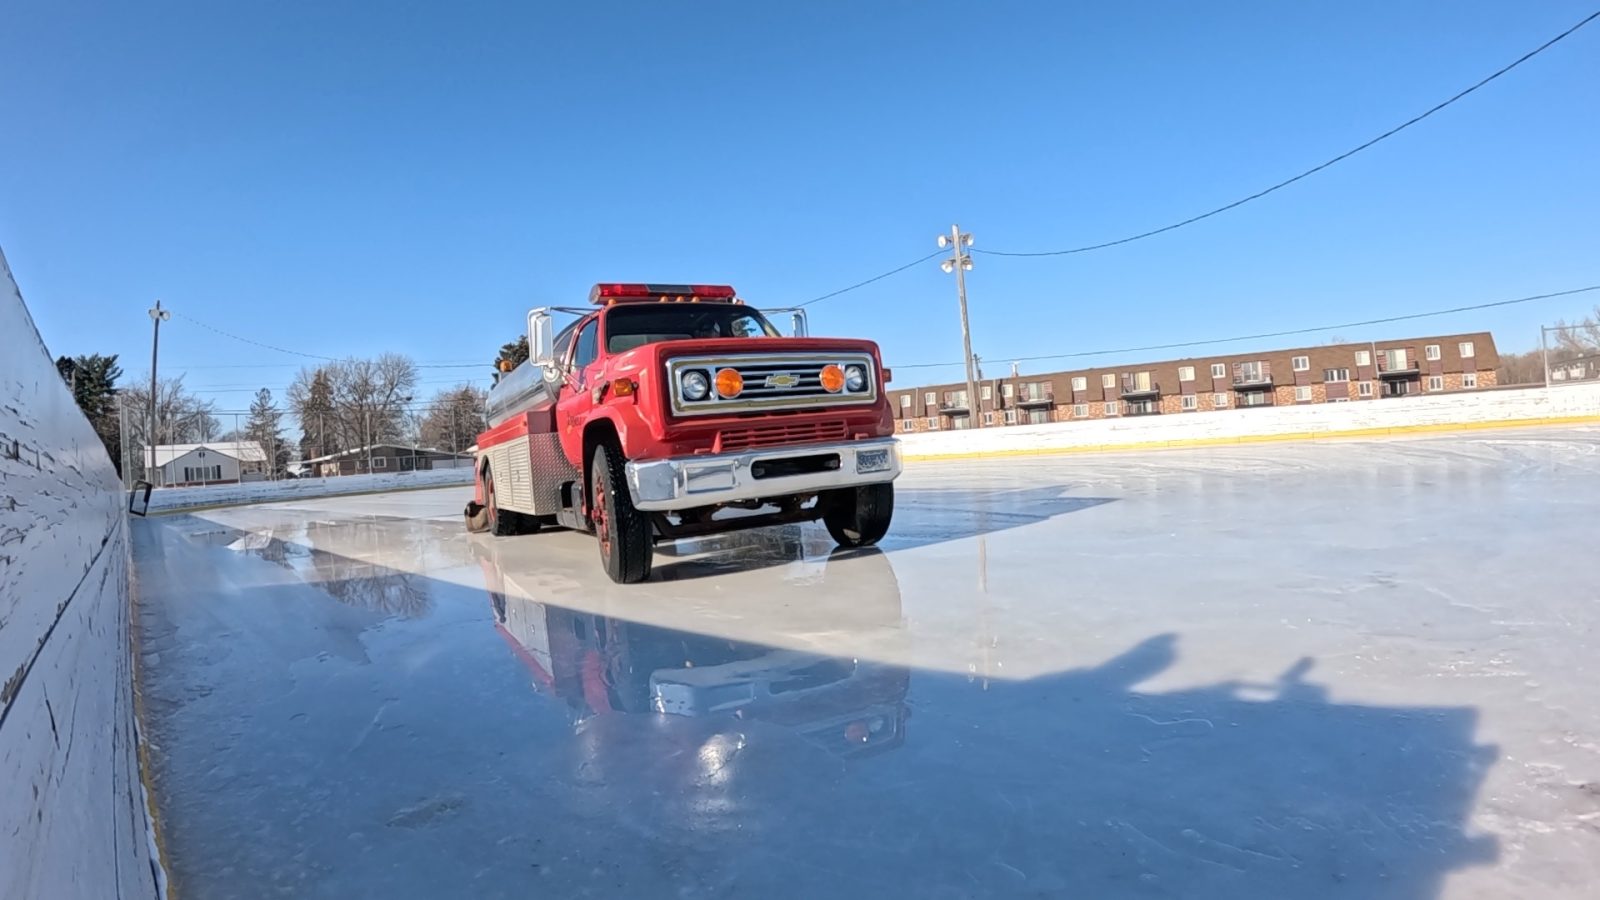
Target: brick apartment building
1333,373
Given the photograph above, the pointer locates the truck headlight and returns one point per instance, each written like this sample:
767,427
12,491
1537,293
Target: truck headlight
855,379
695,385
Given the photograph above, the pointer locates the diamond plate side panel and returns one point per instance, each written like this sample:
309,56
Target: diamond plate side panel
549,469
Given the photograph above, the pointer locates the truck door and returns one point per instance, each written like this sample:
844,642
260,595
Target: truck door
577,393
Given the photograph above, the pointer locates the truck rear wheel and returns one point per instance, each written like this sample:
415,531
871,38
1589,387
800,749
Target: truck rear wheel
622,531
503,522
859,516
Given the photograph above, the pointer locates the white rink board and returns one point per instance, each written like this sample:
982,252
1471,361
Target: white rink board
167,499
1529,406
72,815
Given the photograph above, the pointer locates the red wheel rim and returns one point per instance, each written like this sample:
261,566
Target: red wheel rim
602,528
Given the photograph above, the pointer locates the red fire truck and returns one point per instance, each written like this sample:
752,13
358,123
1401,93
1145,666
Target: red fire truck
674,411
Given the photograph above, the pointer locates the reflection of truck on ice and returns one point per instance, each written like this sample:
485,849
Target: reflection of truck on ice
604,666
674,411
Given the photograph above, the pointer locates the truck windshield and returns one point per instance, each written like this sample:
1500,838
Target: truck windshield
633,325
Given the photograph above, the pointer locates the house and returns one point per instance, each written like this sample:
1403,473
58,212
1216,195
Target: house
213,462
381,458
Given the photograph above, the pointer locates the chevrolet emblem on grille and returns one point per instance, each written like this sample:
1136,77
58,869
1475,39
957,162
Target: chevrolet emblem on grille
781,381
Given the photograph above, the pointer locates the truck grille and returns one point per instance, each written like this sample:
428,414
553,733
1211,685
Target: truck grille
774,381
733,440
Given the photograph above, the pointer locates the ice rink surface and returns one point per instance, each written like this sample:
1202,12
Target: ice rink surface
1354,669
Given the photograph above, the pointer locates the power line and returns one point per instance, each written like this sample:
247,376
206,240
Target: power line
1311,171
229,334
1275,334
861,284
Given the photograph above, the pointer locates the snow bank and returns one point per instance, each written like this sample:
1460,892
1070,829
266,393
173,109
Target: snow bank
1443,412
166,499
72,816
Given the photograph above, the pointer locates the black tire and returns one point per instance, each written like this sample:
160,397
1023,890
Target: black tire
622,531
859,516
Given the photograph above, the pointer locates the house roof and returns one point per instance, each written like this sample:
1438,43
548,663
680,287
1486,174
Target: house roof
243,451
357,451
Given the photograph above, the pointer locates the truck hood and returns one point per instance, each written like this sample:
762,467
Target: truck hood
744,346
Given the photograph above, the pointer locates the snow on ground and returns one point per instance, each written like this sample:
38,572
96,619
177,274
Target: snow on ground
1361,669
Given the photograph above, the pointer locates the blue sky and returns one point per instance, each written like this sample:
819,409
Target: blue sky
350,178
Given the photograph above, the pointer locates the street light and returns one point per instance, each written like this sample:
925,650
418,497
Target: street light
961,263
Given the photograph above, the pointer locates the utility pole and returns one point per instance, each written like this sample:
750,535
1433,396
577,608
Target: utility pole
157,316
960,263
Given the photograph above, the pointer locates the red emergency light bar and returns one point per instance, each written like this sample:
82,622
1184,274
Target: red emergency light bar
604,294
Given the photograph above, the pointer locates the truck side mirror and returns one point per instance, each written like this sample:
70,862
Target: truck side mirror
797,321
541,338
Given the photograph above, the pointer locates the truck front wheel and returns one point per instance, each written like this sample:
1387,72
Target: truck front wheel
622,531
858,516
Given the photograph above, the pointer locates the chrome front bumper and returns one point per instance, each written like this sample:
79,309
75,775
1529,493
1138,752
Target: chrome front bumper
684,482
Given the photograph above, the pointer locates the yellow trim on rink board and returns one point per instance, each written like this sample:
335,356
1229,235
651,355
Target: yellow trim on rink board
912,456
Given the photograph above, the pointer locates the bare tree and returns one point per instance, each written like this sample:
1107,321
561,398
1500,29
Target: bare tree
1577,339
353,403
181,417
1522,368
454,418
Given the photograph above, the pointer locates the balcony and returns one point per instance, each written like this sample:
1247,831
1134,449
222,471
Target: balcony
1407,366
1133,387
1254,399
954,403
1046,397
1142,407
1252,376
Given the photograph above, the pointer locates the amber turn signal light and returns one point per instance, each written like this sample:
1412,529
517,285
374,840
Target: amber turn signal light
730,383
832,378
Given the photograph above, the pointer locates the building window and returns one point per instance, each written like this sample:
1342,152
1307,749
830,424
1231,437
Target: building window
988,418
1335,375
1038,416
1393,360
1256,398
1186,373
379,462
1435,382
986,392
1080,411
1219,370
1190,403
1111,407
930,398
1219,401
1364,389
1467,350
1469,379
1431,352
1108,381
1011,417
1302,394
1300,363
1363,357
905,401
960,423
1080,383
933,423
1007,390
